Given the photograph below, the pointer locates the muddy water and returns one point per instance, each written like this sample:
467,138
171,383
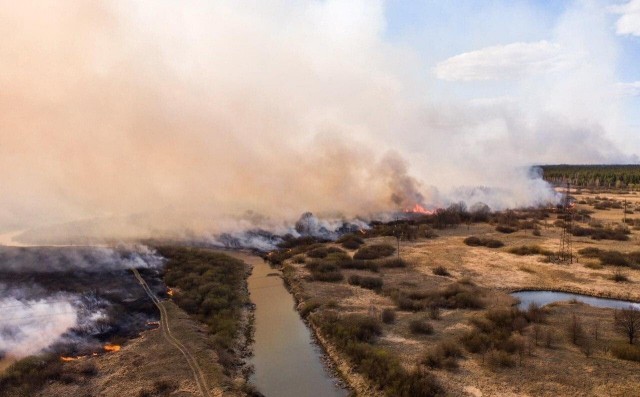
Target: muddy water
542,298
287,362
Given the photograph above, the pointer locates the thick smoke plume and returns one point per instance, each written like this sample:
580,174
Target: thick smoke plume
29,326
166,118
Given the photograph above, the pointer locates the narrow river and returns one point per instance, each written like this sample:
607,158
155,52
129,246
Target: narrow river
286,360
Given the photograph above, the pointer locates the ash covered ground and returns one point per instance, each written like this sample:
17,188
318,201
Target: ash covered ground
73,300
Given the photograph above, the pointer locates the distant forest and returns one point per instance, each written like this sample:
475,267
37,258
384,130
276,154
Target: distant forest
602,176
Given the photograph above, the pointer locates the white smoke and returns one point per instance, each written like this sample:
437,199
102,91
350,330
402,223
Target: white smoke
92,259
29,326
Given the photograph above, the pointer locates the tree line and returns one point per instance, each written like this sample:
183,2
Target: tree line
605,175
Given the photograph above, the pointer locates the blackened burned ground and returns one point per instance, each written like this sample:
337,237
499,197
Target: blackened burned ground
128,310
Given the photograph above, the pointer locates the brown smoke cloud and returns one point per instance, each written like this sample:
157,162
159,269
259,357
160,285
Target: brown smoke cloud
184,112
114,108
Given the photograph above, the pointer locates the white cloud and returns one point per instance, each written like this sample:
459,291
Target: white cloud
629,89
510,61
629,21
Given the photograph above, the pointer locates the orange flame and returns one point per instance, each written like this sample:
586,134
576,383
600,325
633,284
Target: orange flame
111,348
170,292
418,209
67,359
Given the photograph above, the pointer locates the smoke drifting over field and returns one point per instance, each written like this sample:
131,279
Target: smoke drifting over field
186,112
72,299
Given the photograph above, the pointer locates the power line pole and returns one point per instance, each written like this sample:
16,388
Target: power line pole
397,233
565,254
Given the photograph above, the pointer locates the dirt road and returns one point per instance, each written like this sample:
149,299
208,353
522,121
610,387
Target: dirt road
166,332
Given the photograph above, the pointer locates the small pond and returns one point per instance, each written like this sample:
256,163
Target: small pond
542,298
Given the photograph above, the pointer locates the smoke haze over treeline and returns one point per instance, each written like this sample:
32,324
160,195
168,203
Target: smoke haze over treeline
167,116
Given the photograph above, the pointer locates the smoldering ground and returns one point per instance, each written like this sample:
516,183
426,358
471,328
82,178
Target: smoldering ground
72,300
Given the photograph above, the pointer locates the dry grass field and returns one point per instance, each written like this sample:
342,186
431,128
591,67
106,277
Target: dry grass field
542,359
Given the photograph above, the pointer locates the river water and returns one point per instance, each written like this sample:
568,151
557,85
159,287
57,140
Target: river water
542,298
286,360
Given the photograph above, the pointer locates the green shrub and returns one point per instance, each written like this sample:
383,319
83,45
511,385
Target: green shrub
329,276
483,242
351,241
500,359
209,285
444,355
590,252
324,271
308,307
505,229
353,334
374,283
473,241
358,264
393,263
406,304
453,296
529,250
420,327
441,271
318,253
475,342
619,277
613,258
374,251
388,316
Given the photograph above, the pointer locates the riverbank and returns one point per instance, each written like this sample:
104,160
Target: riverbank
359,386
287,360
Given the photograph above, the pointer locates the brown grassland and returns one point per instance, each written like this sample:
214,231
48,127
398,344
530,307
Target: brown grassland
529,355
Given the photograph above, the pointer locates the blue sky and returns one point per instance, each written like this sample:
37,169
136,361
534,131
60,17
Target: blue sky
439,30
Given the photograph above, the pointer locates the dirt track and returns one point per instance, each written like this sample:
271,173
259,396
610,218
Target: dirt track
166,333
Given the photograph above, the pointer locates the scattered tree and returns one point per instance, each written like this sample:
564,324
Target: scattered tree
627,322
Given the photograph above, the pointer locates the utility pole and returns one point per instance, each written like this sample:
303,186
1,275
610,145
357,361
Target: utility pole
565,253
397,233
624,216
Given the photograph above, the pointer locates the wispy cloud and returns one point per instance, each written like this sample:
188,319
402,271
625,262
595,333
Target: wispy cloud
629,89
629,21
510,61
